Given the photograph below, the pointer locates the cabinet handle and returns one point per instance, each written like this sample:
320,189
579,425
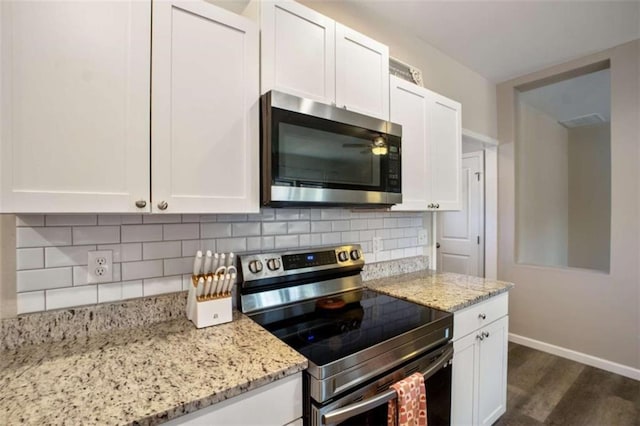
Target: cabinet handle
162,205
430,206
482,316
480,337
141,204
485,334
438,206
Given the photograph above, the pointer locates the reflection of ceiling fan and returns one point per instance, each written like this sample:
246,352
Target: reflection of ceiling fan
377,147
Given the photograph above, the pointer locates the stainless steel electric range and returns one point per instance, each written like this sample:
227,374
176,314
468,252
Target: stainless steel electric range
358,342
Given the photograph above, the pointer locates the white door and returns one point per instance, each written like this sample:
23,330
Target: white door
409,106
204,109
492,383
298,51
362,73
460,234
75,106
445,152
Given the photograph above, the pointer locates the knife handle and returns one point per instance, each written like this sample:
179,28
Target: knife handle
207,262
197,263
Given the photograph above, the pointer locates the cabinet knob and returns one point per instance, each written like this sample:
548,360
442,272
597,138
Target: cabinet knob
141,204
482,316
162,205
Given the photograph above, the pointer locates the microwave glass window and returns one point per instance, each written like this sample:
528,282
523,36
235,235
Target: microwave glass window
320,157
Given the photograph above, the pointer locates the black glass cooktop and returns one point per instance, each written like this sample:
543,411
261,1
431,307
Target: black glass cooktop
333,328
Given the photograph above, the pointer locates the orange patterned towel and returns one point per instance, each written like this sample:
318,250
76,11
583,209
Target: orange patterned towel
410,407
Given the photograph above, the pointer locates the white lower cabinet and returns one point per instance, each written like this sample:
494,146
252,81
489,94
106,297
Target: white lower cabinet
479,388
278,403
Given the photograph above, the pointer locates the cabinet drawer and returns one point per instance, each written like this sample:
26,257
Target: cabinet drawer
481,314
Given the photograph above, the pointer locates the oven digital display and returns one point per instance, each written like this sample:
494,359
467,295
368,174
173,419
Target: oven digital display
308,260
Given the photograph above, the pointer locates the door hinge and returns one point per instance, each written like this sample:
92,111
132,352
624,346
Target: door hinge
478,238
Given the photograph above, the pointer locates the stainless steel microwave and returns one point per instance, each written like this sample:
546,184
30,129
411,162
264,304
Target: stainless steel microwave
317,154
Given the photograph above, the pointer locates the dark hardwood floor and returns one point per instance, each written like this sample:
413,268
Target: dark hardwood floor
543,389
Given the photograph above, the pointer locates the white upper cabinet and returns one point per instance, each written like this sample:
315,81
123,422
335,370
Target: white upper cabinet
78,104
298,51
431,147
309,55
204,110
445,152
75,106
409,107
362,73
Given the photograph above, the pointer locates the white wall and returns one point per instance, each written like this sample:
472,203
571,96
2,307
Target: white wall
542,170
586,311
590,196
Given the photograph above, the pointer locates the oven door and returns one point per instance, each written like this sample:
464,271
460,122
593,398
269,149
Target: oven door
368,405
315,153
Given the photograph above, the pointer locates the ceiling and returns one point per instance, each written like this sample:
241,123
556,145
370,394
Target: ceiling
505,39
576,97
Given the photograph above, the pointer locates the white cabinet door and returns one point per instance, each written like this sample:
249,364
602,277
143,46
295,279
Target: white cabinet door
492,368
204,110
409,107
445,152
464,387
75,106
362,73
298,51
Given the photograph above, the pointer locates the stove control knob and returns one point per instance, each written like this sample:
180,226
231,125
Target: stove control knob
343,256
273,264
355,254
255,266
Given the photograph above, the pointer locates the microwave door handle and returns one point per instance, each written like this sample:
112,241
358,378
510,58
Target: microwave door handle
344,413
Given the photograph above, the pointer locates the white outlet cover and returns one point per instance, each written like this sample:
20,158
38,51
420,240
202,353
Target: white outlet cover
377,244
100,259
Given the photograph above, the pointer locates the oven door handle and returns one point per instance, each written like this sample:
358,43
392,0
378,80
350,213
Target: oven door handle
344,413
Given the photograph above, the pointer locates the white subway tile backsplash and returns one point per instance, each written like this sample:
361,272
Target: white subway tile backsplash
286,241
75,296
161,250
66,256
96,235
42,279
298,227
30,220
332,238
30,258
141,233
215,230
161,218
32,301
184,231
162,285
180,265
225,245
131,289
154,253
129,252
109,292
43,237
109,219
274,228
131,219
287,214
144,269
245,229
190,247
71,219
320,226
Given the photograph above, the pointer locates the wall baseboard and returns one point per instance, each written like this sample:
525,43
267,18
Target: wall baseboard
614,367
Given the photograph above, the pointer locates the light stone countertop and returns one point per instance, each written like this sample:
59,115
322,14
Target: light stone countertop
142,375
444,291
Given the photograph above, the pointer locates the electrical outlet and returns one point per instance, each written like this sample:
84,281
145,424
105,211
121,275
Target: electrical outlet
100,266
422,237
377,244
